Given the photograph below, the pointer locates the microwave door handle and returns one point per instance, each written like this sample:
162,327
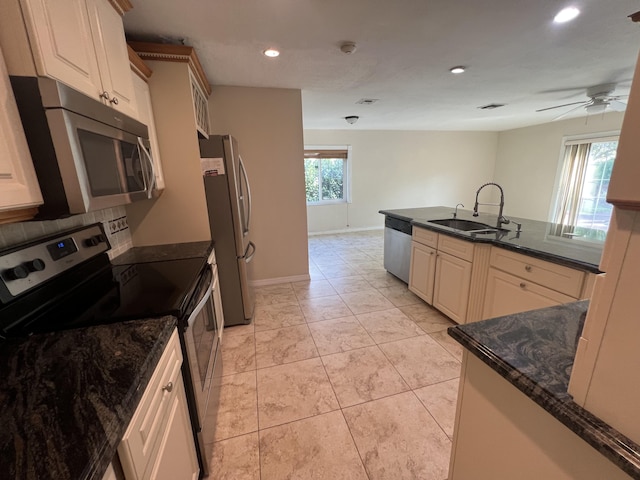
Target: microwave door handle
147,156
246,181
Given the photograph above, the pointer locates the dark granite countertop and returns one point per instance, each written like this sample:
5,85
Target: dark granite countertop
536,238
171,251
534,351
68,397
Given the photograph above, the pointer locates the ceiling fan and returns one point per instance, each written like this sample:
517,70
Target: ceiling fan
600,100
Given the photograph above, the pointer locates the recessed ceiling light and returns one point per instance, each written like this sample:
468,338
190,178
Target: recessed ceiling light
566,15
271,52
458,69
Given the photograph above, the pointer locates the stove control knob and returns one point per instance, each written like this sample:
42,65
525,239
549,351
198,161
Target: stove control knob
17,273
36,265
95,240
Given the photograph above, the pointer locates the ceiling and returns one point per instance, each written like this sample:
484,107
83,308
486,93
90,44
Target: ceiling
514,52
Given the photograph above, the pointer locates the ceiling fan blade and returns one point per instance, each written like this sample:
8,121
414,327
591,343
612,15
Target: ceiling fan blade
567,113
617,106
565,105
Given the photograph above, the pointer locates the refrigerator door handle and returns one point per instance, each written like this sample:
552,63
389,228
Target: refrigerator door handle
249,257
246,181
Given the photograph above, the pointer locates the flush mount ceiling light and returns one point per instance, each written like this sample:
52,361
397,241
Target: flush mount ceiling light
271,52
351,119
348,47
566,15
458,69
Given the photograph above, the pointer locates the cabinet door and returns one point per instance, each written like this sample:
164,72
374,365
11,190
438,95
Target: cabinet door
145,115
177,455
62,44
507,294
113,59
18,183
421,275
452,285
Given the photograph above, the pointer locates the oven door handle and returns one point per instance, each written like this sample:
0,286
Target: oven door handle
198,308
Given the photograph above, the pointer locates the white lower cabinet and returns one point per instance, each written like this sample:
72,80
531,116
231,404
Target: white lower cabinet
422,271
441,270
507,294
158,443
517,283
452,286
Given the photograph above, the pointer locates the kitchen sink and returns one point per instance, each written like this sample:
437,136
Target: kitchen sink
466,225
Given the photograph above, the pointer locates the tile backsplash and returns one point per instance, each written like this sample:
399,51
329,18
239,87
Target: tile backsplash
114,221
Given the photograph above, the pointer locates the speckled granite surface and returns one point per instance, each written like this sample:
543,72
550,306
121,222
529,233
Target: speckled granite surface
534,351
155,253
68,397
535,239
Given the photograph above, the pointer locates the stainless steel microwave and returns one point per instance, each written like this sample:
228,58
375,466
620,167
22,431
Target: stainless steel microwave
87,155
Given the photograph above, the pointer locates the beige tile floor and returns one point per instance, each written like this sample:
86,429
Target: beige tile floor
348,376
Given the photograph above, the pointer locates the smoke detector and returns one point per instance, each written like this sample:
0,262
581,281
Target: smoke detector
351,119
348,47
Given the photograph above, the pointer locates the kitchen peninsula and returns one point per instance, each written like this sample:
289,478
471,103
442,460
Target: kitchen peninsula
485,272
515,417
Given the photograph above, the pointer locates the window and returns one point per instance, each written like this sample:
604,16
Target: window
581,206
325,175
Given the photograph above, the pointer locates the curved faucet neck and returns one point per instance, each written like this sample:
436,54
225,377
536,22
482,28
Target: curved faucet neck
501,218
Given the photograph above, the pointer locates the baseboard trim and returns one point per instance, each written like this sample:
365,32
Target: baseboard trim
275,281
344,230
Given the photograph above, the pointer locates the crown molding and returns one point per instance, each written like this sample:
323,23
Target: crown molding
121,6
137,65
173,53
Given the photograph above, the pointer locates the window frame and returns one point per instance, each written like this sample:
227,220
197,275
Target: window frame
568,141
346,172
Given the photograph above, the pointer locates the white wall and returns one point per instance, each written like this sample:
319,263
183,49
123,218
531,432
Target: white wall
404,169
527,161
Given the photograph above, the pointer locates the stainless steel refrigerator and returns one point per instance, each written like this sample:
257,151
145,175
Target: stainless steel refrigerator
229,203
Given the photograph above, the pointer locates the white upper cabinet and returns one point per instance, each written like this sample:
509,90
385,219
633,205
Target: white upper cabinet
81,43
19,187
145,115
113,57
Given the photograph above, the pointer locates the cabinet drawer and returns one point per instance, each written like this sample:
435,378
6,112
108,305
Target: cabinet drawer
557,277
456,247
425,237
507,294
141,440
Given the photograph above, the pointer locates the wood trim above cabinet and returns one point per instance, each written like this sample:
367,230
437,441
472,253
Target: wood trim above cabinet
138,66
173,53
121,6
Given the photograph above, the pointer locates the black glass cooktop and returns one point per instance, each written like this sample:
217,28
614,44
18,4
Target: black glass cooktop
113,293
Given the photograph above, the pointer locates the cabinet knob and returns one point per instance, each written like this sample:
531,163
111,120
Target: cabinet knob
527,268
168,387
114,100
522,284
105,95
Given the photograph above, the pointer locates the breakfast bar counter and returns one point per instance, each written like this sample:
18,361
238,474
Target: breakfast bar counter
533,352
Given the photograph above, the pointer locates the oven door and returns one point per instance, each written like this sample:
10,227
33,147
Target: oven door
201,341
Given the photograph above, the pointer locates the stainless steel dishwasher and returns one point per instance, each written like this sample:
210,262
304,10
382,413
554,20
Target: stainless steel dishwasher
397,247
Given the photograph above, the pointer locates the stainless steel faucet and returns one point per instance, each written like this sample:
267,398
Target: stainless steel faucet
501,218
455,214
